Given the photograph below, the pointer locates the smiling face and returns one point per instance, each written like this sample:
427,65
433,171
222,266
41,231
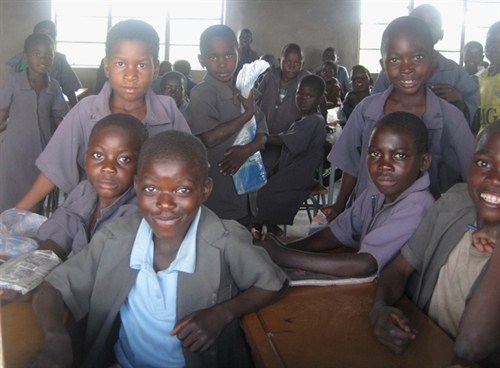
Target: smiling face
39,57
131,70
220,57
169,193
407,62
360,81
393,161
110,162
484,179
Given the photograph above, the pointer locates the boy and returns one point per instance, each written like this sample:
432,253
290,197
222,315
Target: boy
291,180
447,277
107,192
407,54
489,80
473,56
446,78
131,64
173,84
385,214
177,271
214,114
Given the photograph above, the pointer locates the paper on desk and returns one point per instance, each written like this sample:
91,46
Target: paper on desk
26,272
305,278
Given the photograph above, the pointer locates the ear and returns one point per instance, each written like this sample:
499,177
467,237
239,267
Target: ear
106,67
200,59
156,65
381,62
426,162
207,188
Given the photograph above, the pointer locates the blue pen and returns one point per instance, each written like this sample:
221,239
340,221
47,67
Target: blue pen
472,227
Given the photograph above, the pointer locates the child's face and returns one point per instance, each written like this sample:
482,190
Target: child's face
307,99
407,62
40,57
492,48
245,39
169,194
327,72
484,180
110,162
131,70
472,57
393,162
174,89
291,65
220,57
360,81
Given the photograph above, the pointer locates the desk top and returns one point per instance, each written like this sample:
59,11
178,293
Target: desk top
329,326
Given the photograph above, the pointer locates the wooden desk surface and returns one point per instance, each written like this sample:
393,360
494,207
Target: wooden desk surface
329,326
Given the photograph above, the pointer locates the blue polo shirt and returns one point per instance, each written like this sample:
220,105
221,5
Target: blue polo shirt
149,312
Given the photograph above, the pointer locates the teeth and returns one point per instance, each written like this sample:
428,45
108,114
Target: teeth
489,198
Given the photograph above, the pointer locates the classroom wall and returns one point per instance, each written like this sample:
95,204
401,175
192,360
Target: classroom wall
313,24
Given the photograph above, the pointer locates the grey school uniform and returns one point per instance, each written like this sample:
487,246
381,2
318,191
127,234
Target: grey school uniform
29,128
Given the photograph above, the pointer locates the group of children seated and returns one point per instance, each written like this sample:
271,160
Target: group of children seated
163,255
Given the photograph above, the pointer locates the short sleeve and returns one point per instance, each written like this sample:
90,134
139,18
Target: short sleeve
7,91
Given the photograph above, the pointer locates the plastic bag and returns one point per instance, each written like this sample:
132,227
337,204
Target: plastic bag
252,174
17,227
333,128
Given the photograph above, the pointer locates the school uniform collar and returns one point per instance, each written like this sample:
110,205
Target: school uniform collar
222,89
25,83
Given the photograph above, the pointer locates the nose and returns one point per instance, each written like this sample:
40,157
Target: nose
385,164
130,72
406,65
108,166
165,201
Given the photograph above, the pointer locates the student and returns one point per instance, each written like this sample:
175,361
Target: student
60,69
290,182
407,55
330,54
473,57
165,67
106,193
174,84
333,89
447,277
276,97
131,64
181,277
489,80
361,82
383,217
215,115
447,79
245,52
183,66
33,103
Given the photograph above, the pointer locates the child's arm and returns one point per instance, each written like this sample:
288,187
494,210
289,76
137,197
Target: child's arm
390,325
226,129
478,335
347,185
236,156
199,330
38,190
49,309
53,246
484,240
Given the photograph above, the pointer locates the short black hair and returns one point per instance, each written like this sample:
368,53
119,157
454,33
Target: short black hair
291,47
38,38
492,128
182,66
173,75
410,124
426,9
48,25
217,31
133,29
175,145
410,26
128,123
331,64
363,69
471,45
315,82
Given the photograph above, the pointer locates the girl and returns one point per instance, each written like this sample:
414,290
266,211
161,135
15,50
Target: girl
362,82
277,102
34,104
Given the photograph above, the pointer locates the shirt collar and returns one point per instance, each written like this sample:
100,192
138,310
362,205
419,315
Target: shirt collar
185,260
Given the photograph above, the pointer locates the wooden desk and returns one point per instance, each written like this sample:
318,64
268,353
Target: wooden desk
329,326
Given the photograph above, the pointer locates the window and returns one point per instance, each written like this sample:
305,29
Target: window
82,26
463,21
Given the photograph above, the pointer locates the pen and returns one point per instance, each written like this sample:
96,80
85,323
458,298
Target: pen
472,227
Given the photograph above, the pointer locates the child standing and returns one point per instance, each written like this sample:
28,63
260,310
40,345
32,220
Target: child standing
131,64
407,52
385,214
182,276
277,97
361,82
107,192
301,146
214,114
489,80
34,105
447,277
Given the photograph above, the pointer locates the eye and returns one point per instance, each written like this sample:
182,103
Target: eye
124,159
97,155
419,57
212,59
400,156
142,66
393,60
374,154
119,64
481,163
229,56
183,191
149,189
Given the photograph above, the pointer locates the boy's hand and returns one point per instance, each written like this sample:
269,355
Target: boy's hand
234,157
449,93
199,330
484,239
392,328
248,103
55,352
331,212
